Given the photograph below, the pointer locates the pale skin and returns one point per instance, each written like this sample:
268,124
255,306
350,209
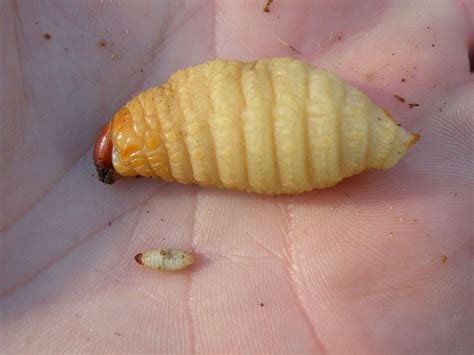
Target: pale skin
382,263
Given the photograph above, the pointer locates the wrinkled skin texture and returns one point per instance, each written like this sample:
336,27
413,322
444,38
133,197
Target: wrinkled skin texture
358,268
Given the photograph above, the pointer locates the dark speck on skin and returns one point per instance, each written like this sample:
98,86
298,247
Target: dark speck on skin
399,98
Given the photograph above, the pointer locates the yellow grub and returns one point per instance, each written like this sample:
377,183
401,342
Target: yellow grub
270,126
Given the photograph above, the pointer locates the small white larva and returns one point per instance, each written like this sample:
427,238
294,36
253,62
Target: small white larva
165,259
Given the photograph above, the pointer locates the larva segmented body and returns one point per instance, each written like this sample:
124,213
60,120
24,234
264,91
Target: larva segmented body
270,126
165,259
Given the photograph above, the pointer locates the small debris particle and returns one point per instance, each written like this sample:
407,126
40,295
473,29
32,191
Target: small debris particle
161,219
370,76
413,105
113,55
444,259
102,43
289,46
400,220
76,315
147,211
266,8
347,195
339,38
46,36
403,80
428,27
110,223
393,53
399,98
399,124
125,29
414,220
432,45
36,22
141,70
66,49
440,110
390,234
262,305
118,334
92,175
88,339
455,194
379,118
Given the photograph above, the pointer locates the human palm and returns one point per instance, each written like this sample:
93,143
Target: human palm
381,263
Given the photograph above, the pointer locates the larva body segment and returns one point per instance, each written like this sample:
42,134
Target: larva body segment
270,126
165,259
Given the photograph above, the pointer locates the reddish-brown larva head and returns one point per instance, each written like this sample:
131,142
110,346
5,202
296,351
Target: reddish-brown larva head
138,258
103,156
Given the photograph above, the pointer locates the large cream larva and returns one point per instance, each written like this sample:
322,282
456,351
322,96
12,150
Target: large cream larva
165,259
270,126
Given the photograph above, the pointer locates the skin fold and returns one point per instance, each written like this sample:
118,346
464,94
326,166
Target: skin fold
380,264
